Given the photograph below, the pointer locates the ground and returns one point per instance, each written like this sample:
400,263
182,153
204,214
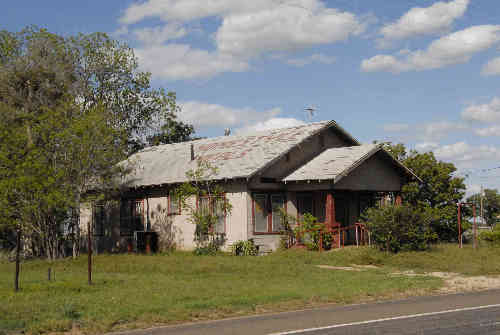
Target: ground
133,291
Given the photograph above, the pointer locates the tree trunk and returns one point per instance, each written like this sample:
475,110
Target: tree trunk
89,261
18,260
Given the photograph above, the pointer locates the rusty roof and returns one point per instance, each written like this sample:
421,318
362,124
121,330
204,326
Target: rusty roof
237,156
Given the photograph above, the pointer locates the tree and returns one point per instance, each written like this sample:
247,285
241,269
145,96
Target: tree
210,208
441,190
491,205
70,110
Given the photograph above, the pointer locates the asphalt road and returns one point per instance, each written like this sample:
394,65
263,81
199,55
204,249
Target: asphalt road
468,313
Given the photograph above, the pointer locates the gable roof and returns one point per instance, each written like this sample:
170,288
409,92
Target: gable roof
237,156
336,163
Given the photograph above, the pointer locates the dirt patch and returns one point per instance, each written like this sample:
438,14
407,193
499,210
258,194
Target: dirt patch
453,282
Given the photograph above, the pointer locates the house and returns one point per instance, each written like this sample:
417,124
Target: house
317,168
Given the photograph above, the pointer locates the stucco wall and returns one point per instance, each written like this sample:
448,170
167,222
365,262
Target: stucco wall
375,174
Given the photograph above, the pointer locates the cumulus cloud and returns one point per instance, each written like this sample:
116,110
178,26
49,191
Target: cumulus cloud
202,114
488,131
488,113
314,58
423,21
273,123
159,35
426,131
426,146
491,68
455,48
290,26
180,61
463,152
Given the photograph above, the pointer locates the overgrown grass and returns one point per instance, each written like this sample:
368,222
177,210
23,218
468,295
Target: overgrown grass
139,291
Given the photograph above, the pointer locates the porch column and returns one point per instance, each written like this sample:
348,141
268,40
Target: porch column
398,201
330,210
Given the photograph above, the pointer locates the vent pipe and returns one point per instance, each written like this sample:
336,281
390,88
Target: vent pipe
227,132
192,152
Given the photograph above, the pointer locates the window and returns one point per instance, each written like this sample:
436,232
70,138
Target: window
215,206
131,216
98,219
267,212
304,204
174,204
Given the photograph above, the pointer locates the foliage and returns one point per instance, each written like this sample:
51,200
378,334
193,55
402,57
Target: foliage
491,205
441,190
71,108
491,237
244,248
397,228
211,205
309,230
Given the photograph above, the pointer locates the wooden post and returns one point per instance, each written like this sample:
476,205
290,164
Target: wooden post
357,238
459,226
330,210
475,225
18,260
89,260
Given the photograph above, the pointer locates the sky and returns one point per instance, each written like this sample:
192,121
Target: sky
424,73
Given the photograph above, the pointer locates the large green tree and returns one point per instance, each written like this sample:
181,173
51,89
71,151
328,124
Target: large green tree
70,109
440,191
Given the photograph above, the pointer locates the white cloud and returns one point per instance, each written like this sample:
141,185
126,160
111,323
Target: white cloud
492,67
315,58
422,21
489,131
180,61
426,131
188,10
293,25
426,146
489,112
159,35
463,152
274,123
396,127
455,48
208,115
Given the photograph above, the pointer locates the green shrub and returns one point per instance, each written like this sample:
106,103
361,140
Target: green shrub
491,237
244,248
401,228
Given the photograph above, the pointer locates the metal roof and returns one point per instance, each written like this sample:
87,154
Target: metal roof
336,163
237,156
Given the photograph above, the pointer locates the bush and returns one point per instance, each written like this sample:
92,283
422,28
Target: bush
491,237
401,228
244,248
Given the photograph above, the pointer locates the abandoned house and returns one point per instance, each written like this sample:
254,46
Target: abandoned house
316,168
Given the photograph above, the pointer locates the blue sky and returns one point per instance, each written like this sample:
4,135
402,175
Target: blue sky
422,72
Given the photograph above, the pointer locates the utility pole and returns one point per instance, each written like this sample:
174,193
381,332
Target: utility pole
481,208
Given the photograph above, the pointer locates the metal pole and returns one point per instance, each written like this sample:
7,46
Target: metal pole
459,226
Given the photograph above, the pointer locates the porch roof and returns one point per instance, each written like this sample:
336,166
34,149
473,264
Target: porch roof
336,163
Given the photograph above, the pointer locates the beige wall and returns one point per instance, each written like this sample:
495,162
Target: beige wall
173,229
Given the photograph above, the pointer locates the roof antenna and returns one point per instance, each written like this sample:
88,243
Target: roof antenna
310,112
192,152
227,132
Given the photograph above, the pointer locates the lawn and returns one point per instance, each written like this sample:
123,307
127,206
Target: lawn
133,291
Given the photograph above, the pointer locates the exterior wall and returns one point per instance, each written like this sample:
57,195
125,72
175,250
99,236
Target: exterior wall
375,174
174,229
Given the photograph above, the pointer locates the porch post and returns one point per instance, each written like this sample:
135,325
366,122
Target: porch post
398,201
330,210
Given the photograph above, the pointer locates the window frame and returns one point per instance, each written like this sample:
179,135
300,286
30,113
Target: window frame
211,207
169,204
95,231
131,207
300,202
269,209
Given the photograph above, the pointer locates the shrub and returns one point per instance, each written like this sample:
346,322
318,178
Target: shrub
491,237
244,248
401,228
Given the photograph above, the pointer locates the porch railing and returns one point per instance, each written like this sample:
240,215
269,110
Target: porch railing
338,234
